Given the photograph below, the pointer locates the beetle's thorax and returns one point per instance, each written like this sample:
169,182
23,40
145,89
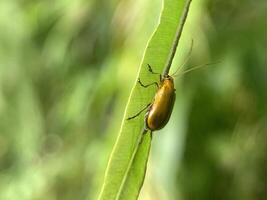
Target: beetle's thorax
167,81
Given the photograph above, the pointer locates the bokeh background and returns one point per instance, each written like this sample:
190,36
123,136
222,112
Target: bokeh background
67,68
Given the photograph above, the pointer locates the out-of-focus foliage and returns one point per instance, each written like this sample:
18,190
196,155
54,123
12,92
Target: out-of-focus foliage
66,70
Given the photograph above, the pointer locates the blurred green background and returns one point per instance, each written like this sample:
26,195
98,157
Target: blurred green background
67,68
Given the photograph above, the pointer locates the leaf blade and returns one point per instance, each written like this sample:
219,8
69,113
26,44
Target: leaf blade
126,168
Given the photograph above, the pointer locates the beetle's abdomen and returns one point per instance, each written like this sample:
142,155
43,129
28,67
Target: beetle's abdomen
161,109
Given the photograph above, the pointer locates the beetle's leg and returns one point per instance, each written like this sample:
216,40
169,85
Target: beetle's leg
145,120
146,132
145,86
137,114
151,70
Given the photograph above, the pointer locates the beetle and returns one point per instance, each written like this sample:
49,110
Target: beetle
159,111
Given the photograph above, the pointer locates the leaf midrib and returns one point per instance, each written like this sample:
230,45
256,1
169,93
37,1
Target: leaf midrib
130,163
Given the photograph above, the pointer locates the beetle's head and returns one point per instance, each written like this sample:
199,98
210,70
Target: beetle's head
167,77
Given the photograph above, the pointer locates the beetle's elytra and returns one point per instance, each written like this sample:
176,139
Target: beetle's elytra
159,111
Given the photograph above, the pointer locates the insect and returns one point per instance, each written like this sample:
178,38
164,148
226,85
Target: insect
160,109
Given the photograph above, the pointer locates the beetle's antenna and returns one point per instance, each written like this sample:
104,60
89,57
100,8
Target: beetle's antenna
196,67
186,60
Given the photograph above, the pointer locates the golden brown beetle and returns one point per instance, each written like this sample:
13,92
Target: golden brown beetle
159,111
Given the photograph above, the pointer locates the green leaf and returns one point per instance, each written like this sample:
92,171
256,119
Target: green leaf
127,165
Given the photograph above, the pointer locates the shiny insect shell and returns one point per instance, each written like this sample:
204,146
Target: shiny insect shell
160,109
